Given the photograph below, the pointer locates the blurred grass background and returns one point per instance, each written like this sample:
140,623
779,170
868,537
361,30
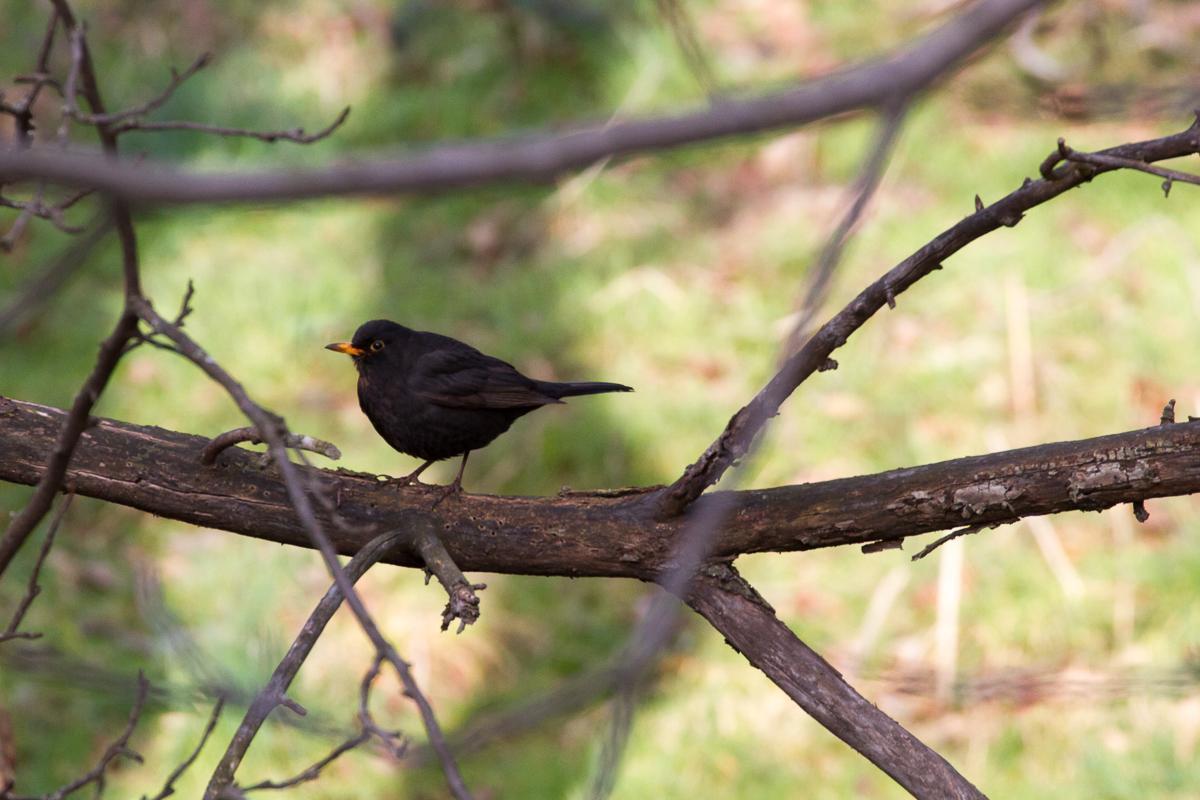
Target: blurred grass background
1075,659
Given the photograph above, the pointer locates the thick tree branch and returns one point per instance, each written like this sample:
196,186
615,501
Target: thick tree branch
540,157
750,626
610,534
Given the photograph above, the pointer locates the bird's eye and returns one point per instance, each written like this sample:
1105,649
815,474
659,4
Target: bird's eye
377,345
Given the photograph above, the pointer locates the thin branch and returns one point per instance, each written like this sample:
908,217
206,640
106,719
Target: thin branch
296,135
734,442
169,786
395,742
251,435
1118,162
683,29
96,775
544,156
463,604
312,772
177,80
272,694
46,281
966,530
34,589
863,191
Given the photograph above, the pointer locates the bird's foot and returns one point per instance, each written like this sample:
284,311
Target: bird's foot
449,490
401,482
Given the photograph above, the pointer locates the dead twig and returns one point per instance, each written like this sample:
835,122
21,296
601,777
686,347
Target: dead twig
296,135
274,692
177,80
251,435
169,786
964,531
34,589
118,749
463,604
1119,162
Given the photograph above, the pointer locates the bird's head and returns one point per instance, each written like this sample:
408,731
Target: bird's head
371,342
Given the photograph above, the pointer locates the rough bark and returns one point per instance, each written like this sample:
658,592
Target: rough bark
608,533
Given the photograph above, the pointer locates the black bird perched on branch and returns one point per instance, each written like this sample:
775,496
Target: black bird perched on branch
434,397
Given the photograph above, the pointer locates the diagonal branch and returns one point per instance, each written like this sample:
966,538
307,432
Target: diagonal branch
275,691
734,442
543,156
750,627
33,590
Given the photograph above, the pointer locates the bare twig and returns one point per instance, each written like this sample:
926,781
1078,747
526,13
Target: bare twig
275,690
251,435
177,80
1118,162
168,788
463,604
393,742
274,431
47,280
310,773
734,442
296,135
37,208
966,530
34,589
118,749
540,157
683,29
863,190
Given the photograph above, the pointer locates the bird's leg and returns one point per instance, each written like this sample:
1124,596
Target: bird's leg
455,486
410,478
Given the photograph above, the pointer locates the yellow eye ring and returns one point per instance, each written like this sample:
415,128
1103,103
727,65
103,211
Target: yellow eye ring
377,345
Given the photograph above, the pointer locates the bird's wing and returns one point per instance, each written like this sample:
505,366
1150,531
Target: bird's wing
463,377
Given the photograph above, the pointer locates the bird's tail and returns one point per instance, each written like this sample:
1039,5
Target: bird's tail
573,388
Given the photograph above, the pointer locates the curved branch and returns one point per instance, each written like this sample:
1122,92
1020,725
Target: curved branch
542,156
734,442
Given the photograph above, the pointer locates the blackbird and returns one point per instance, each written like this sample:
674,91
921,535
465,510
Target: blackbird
434,397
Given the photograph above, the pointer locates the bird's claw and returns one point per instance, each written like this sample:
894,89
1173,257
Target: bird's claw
448,490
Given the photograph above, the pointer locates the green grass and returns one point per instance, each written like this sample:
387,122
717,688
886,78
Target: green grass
675,274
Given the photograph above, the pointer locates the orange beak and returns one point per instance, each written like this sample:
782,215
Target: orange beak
344,347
